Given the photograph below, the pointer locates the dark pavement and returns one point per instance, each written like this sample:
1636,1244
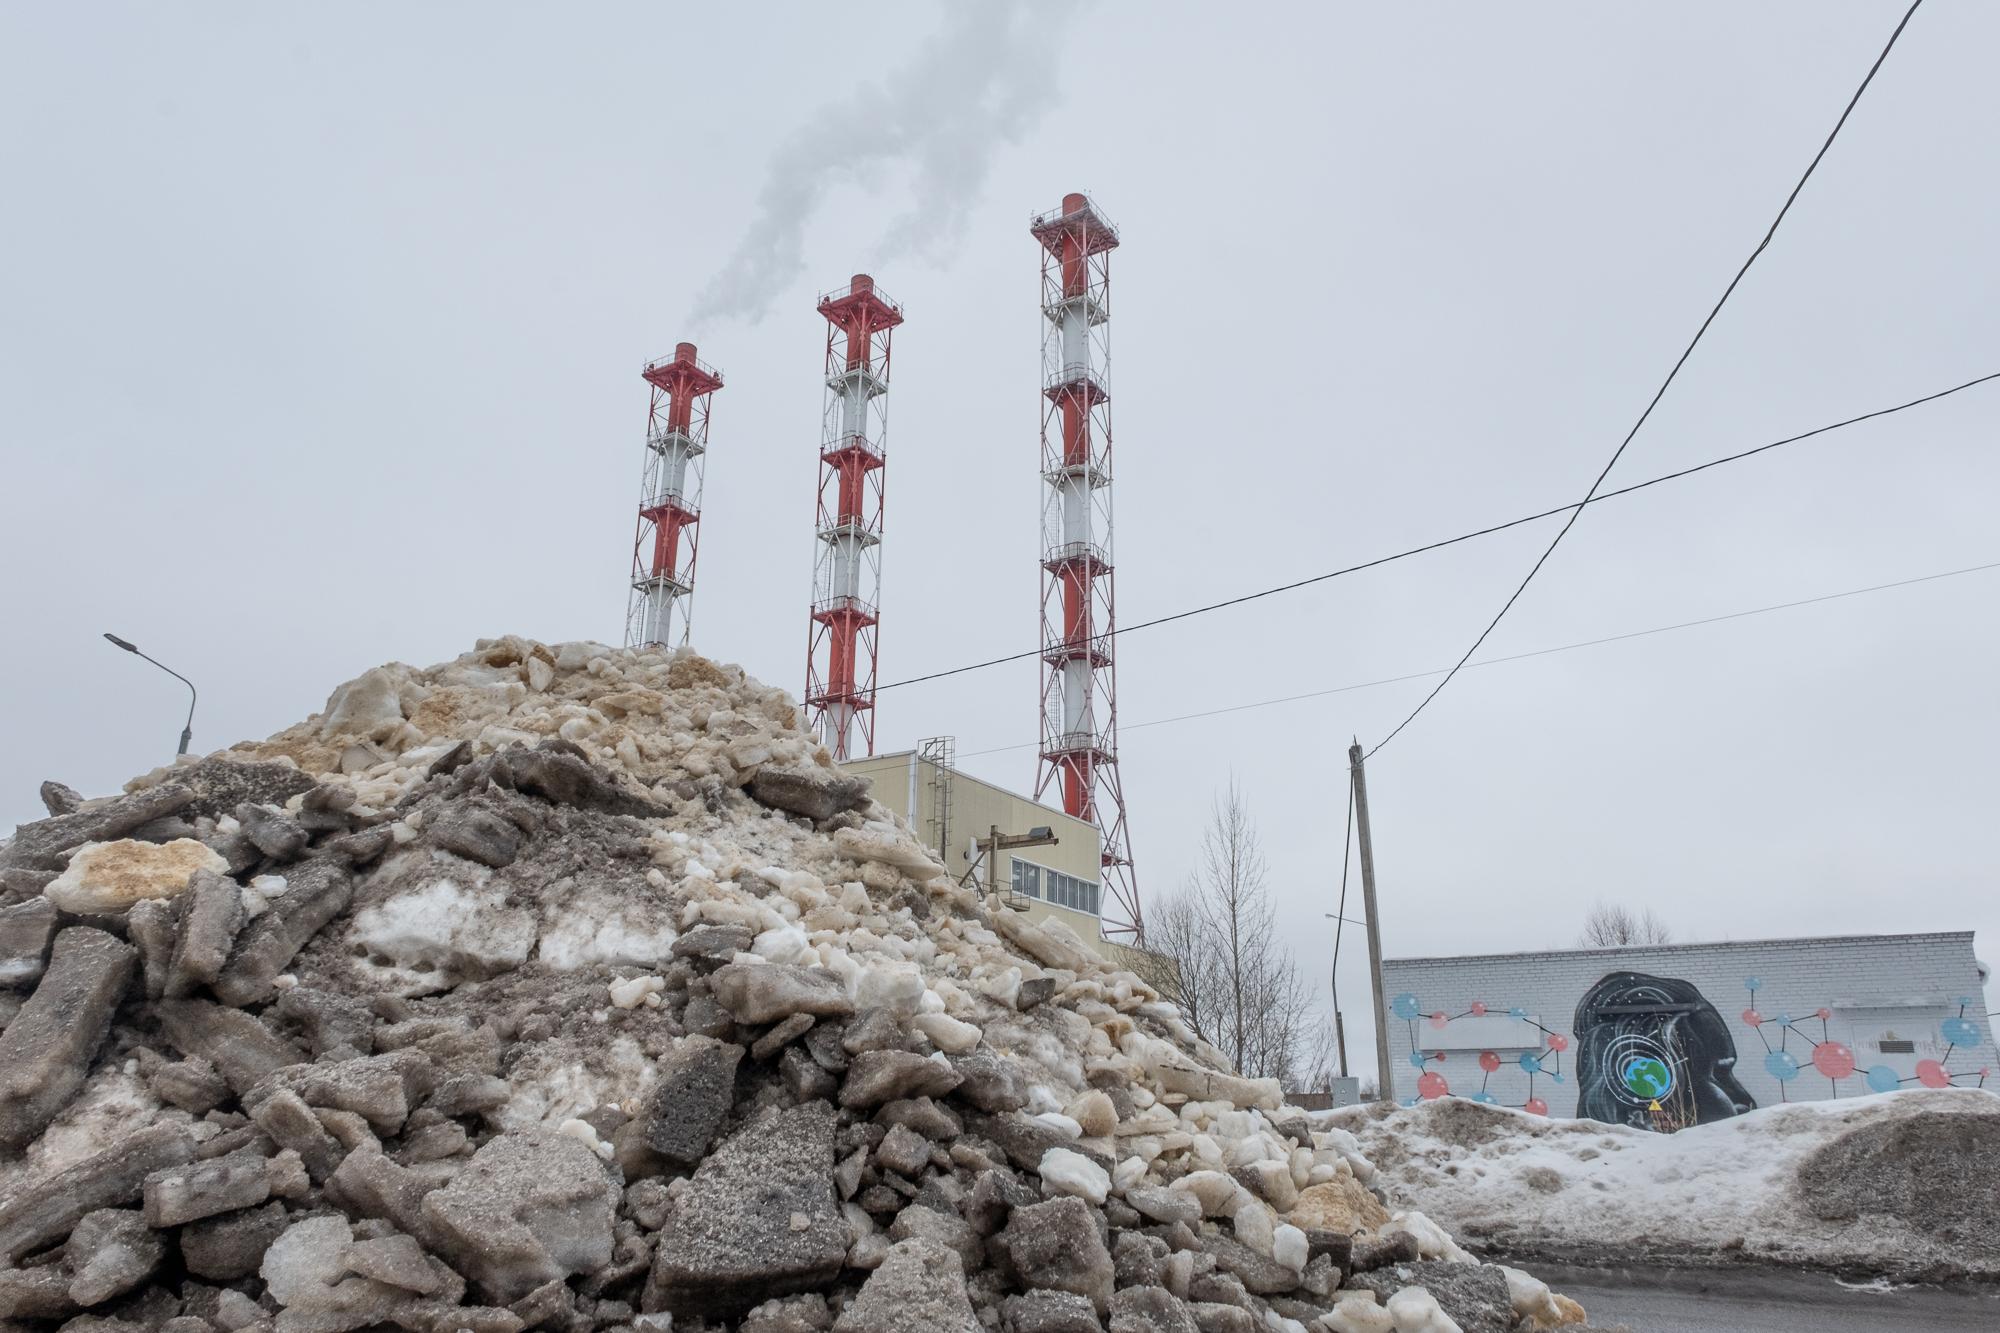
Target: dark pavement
1657,1301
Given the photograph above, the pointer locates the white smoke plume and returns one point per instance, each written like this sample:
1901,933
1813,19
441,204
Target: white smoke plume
981,81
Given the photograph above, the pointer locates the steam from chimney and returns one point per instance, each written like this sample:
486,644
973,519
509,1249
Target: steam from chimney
979,82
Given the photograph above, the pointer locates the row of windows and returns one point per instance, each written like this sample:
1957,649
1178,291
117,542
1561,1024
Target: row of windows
1033,881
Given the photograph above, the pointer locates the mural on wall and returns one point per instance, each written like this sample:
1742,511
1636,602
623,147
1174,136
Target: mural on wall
1835,1060
1653,1053
1544,1062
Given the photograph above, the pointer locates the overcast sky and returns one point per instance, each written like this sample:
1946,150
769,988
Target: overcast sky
323,326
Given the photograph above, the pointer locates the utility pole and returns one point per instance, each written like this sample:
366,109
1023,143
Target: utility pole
1360,778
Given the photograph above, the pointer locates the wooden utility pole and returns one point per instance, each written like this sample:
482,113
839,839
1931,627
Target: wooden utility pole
1367,844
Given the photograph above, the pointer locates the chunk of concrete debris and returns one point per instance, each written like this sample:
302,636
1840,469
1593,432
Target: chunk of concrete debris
713,942
397,1261
1053,1312
367,1183
291,1124
991,1082
876,1077
39,1214
758,993
106,878
110,1252
903,1151
272,832
230,1246
479,835
236,1043
756,1220
45,844
211,915
1055,1245
46,1050
194,1084
815,793
35,1293
220,785
60,799
697,1088
921,1284
152,926
315,893
1150,1310
26,930
201,1189
382,1088
527,1209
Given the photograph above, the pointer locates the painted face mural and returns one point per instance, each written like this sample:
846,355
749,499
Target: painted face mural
1653,1053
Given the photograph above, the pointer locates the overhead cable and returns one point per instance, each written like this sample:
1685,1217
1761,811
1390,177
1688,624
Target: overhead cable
1661,392
1521,657
1428,547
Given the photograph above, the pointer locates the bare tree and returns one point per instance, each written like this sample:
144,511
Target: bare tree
1237,987
1612,925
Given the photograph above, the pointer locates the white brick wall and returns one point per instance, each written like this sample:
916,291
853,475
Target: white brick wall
1877,987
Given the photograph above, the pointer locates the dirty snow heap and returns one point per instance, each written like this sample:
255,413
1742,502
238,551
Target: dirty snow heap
574,988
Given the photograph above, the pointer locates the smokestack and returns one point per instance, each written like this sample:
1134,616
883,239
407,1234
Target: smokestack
847,557
658,612
1079,705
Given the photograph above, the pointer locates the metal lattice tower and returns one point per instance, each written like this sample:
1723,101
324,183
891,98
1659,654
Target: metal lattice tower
1079,750
669,535
847,563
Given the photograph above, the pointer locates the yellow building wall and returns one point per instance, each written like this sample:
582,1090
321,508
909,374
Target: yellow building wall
906,784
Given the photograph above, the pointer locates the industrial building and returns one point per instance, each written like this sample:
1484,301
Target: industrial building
1664,1036
953,812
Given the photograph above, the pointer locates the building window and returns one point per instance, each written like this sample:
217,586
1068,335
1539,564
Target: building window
1033,881
1893,1046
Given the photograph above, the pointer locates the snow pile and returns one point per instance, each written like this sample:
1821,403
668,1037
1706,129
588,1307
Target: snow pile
571,987
1902,1185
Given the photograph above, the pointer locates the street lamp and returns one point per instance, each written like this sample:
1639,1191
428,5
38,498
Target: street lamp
187,732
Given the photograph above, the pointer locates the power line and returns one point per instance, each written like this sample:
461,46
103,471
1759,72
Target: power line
1521,657
1665,384
1467,536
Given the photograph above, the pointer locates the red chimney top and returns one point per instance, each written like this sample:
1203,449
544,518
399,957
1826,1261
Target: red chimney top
1075,203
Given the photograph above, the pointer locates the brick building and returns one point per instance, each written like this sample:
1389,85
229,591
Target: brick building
1661,1036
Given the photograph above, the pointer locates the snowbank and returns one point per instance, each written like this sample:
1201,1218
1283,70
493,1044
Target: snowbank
1904,1185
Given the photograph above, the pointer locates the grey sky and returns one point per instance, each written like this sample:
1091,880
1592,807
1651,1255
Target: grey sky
323,328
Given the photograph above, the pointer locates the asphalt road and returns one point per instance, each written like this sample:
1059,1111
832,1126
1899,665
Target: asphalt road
1781,1302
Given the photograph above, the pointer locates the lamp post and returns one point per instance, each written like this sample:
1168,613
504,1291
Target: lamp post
187,732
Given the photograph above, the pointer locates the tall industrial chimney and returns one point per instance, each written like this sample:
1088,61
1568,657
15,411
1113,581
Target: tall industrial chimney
847,560
663,550
1079,749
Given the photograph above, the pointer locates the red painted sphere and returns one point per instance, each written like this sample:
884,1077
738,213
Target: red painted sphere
1430,1087
1833,1059
1536,1106
1932,1074
1488,1061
